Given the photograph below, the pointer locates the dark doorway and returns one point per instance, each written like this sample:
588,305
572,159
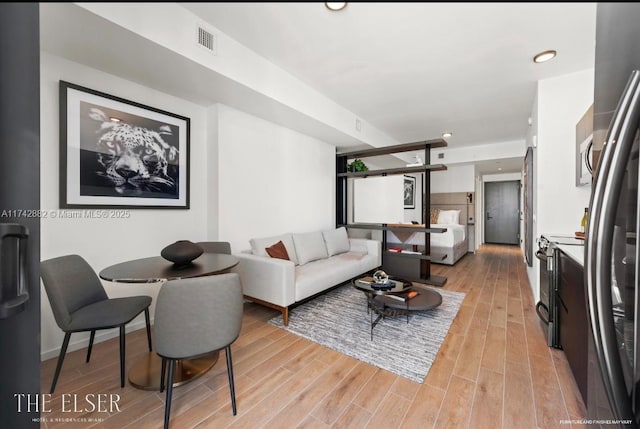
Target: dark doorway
502,212
19,214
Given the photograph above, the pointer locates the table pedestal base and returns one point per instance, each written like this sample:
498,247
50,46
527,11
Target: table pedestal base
145,374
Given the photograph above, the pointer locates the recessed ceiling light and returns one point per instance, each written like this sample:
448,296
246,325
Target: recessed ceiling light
544,56
446,135
335,5
499,169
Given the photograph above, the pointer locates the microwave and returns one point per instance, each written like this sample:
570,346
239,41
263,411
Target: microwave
584,162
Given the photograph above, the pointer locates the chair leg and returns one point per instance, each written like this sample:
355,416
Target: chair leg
230,374
167,406
146,319
63,351
122,354
162,374
93,335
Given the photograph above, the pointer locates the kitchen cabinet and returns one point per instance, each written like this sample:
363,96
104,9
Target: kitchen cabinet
572,314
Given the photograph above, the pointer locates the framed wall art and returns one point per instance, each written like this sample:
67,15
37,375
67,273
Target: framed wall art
409,192
121,154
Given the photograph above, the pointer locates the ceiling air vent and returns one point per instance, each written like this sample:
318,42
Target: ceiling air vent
206,39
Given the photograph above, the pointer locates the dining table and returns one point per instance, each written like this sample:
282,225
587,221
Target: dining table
145,373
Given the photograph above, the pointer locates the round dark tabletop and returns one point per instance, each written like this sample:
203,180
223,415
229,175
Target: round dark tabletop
157,269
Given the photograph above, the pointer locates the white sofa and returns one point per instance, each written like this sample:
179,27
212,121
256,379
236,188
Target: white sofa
317,261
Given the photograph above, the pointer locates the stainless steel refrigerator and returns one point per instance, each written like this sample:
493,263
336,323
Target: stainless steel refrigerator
19,227
611,252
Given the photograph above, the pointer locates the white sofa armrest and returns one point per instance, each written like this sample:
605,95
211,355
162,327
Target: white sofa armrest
267,279
370,247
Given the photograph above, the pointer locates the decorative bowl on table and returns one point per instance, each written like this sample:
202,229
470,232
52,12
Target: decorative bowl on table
381,281
181,253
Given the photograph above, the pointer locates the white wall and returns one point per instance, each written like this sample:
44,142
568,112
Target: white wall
532,137
561,103
501,177
103,242
558,203
212,173
457,178
272,180
483,152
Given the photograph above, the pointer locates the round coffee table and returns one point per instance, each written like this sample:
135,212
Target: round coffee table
396,301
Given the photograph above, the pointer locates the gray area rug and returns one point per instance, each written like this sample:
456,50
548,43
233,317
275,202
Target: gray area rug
338,320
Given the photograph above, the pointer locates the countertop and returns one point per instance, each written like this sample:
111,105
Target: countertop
569,244
574,252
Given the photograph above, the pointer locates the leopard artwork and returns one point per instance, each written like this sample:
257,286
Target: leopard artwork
135,159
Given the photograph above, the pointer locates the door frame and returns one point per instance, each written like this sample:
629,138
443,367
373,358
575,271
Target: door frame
480,215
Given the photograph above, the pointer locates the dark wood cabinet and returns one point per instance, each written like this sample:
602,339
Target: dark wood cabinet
572,314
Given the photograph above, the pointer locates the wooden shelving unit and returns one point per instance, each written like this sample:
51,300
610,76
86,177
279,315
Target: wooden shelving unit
386,227
409,266
389,171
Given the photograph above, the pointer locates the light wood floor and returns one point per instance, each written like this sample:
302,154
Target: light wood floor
494,370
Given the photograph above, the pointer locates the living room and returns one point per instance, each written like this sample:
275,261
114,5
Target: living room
231,133
261,162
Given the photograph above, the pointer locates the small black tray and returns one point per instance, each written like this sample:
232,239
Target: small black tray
383,286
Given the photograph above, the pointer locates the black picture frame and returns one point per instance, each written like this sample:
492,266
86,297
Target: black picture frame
117,153
409,192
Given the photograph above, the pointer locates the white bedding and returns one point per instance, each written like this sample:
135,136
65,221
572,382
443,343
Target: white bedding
454,235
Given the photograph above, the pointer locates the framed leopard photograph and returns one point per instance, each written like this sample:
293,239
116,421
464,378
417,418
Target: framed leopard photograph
118,153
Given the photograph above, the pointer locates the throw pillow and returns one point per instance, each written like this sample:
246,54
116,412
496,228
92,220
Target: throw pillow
309,247
449,217
433,215
258,246
278,251
336,240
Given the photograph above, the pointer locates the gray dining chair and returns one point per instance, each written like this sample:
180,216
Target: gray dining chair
193,318
215,247
80,304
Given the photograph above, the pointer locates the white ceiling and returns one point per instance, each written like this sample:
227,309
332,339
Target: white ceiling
414,70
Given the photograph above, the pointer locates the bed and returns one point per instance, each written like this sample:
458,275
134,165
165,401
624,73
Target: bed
448,210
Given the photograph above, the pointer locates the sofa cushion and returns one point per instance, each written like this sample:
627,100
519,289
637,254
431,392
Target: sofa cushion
449,217
277,251
336,241
309,247
322,274
258,246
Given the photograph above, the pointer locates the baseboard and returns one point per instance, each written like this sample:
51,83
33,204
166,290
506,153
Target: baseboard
80,340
